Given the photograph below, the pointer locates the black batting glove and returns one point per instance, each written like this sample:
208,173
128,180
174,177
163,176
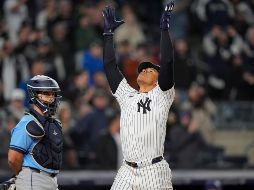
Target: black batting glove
110,22
166,15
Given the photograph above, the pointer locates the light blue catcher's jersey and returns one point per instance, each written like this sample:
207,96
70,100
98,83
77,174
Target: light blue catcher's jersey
22,142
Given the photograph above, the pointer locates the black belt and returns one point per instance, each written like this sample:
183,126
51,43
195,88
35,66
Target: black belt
154,161
40,171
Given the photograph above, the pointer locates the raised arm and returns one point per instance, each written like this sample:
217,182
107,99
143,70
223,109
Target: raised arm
113,74
166,76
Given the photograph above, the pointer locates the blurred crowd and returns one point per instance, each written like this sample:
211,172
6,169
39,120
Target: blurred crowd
214,61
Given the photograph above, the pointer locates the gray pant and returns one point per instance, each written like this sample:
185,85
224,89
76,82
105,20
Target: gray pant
27,179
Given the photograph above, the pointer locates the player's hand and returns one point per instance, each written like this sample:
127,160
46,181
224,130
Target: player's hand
166,15
110,22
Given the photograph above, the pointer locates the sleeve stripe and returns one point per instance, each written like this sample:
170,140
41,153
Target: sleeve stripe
19,149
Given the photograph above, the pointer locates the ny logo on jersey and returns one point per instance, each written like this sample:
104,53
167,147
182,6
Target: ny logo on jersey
145,105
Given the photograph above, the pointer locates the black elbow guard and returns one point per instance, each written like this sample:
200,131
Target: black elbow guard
35,129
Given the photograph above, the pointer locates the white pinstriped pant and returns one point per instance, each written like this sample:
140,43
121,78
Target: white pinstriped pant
153,177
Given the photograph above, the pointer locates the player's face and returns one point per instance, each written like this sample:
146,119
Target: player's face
47,97
149,76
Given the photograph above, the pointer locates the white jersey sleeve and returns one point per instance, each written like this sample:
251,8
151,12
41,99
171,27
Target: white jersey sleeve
123,92
167,97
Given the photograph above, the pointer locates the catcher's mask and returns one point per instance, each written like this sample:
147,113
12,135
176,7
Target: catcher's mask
39,84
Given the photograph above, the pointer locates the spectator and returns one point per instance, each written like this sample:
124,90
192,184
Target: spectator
236,84
16,107
184,67
78,90
29,48
244,15
100,82
15,12
37,68
92,9
27,42
5,136
131,30
92,60
14,69
23,38
248,75
3,31
85,132
214,13
63,51
83,110
108,150
65,16
186,142
123,53
149,21
202,110
46,54
85,34
47,15
219,46
70,156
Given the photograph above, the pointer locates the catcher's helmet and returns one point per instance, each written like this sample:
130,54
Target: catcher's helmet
39,84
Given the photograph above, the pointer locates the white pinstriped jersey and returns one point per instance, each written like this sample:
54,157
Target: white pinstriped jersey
143,121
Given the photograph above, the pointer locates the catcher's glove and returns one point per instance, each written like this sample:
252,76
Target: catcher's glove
8,185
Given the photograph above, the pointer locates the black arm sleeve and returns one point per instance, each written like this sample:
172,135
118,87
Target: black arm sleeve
112,71
166,76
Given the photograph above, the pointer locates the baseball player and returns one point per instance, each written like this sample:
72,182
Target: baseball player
35,152
144,112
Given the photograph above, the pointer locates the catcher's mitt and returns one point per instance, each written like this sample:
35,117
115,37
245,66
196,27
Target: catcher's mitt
8,185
